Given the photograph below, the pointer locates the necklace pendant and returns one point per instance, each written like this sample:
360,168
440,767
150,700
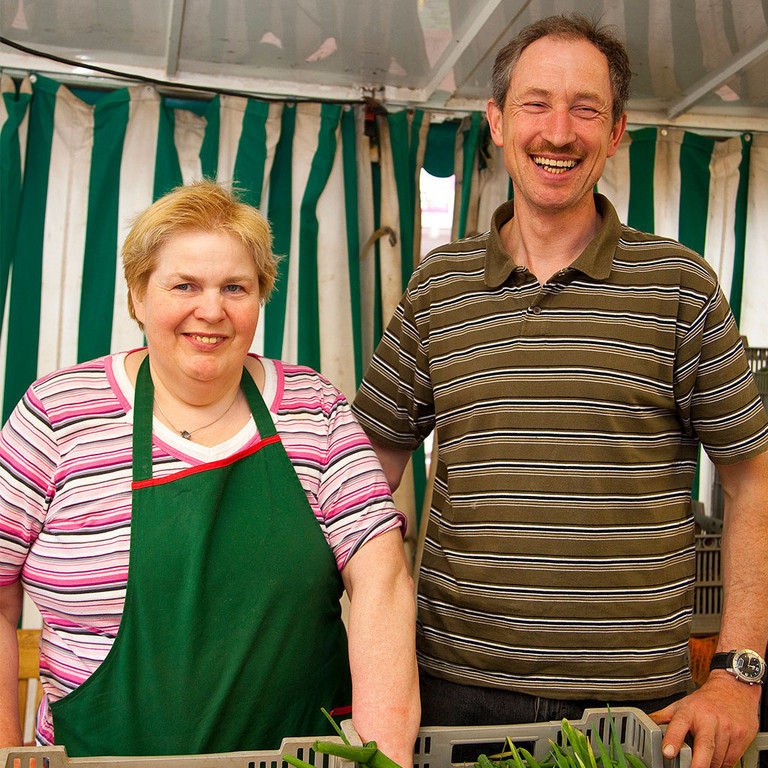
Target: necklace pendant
186,435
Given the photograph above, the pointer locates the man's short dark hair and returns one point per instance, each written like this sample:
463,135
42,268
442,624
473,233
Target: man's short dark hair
569,27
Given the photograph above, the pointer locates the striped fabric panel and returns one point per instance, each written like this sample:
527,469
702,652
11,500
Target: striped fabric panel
89,173
93,166
24,301
65,485
110,120
13,109
559,554
754,318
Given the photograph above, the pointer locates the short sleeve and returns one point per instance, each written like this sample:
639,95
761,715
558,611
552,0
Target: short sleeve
28,454
717,397
354,496
395,402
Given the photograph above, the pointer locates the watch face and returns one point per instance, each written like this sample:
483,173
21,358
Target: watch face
748,665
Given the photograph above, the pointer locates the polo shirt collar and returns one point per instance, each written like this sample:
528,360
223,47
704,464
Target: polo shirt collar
595,260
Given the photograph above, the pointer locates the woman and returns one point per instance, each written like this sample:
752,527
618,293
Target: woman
245,497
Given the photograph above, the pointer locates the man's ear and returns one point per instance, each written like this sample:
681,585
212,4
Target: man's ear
495,120
616,133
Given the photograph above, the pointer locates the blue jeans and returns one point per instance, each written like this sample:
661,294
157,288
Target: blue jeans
447,703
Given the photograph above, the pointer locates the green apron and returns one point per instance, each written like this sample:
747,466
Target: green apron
231,636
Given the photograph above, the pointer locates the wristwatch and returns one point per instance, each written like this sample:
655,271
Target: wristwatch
743,664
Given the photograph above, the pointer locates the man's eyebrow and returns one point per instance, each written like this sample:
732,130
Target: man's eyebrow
534,92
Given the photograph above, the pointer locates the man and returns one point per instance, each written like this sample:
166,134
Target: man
570,367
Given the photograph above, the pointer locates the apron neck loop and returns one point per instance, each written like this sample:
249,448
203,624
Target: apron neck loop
143,408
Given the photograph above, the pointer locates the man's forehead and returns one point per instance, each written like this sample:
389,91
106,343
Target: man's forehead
540,50
550,61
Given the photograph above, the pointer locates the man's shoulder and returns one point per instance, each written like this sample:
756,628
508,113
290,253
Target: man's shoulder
643,250
456,256
635,240
465,246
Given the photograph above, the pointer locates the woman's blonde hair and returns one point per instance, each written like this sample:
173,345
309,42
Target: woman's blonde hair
202,206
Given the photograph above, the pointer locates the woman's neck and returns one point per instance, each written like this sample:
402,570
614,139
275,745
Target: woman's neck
207,413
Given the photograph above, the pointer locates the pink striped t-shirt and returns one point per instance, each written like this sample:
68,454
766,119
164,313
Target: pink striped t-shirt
65,496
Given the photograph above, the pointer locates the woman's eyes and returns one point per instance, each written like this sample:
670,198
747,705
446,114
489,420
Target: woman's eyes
230,288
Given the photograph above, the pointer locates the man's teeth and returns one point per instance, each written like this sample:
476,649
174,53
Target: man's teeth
206,339
554,166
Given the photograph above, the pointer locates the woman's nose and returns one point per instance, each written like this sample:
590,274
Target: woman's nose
210,306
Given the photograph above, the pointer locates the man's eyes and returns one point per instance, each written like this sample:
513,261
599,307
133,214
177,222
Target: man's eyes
580,110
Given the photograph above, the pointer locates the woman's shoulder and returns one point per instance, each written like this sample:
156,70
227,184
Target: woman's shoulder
299,386
80,386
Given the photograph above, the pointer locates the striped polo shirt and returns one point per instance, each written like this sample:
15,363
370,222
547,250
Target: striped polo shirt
559,554
65,496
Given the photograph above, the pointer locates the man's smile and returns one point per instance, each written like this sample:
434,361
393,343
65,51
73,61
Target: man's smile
554,166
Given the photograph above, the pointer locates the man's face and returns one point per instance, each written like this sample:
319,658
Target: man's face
556,127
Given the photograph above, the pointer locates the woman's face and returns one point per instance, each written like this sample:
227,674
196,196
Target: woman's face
200,307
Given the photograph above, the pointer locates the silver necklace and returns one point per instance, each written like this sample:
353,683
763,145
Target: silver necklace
187,434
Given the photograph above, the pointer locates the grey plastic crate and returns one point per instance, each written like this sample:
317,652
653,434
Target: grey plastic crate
708,589
756,755
758,363
56,757
638,735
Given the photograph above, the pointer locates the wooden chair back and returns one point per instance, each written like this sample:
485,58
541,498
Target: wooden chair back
29,681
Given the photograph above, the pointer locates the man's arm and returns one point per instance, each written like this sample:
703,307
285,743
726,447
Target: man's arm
10,610
722,715
382,647
393,462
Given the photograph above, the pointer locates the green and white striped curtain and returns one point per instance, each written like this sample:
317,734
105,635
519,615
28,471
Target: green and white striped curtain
91,162
402,138
78,166
343,201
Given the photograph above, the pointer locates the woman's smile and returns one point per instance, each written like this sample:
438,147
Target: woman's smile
205,340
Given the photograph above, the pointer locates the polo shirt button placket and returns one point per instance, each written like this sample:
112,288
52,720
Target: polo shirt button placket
536,309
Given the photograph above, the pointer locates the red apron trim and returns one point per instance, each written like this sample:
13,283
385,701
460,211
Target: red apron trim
205,467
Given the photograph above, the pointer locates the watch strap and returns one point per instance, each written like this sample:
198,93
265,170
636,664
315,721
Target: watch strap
721,660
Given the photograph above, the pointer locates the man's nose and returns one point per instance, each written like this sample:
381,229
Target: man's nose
559,128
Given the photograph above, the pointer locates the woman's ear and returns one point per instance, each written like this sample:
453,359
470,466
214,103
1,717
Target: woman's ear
138,304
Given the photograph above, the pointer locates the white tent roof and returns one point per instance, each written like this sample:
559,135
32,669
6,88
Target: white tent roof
697,63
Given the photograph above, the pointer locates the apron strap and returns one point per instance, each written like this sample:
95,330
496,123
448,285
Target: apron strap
143,408
259,410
